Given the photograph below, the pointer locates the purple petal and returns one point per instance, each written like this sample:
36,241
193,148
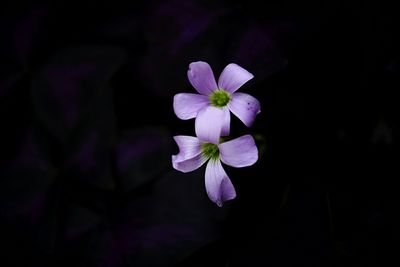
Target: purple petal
201,77
218,185
226,123
233,77
245,107
186,106
239,152
209,123
189,147
189,164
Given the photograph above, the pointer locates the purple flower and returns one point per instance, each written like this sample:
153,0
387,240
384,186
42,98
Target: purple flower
222,97
195,151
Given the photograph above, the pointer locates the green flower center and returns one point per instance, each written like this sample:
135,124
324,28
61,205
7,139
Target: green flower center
219,98
210,151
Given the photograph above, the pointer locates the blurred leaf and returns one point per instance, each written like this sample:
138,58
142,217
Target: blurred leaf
20,32
285,196
14,114
9,81
25,181
90,148
176,29
174,219
161,228
258,48
174,24
143,154
80,220
24,36
63,90
261,144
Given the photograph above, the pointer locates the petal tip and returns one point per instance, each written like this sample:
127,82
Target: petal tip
250,75
233,77
202,77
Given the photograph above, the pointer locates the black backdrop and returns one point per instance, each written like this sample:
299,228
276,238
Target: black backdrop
87,123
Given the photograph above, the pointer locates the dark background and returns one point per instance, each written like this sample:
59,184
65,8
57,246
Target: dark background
87,123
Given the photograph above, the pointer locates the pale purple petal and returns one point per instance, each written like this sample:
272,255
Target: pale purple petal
208,124
239,152
201,77
226,123
189,147
245,107
218,185
186,106
189,164
233,77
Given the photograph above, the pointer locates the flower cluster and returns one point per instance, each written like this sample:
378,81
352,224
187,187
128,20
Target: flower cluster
211,109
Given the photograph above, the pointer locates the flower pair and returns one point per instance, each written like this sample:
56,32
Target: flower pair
212,108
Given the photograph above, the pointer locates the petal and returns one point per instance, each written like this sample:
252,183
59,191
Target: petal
245,107
239,152
218,185
189,164
233,77
201,77
209,123
226,122
189,147
186,106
